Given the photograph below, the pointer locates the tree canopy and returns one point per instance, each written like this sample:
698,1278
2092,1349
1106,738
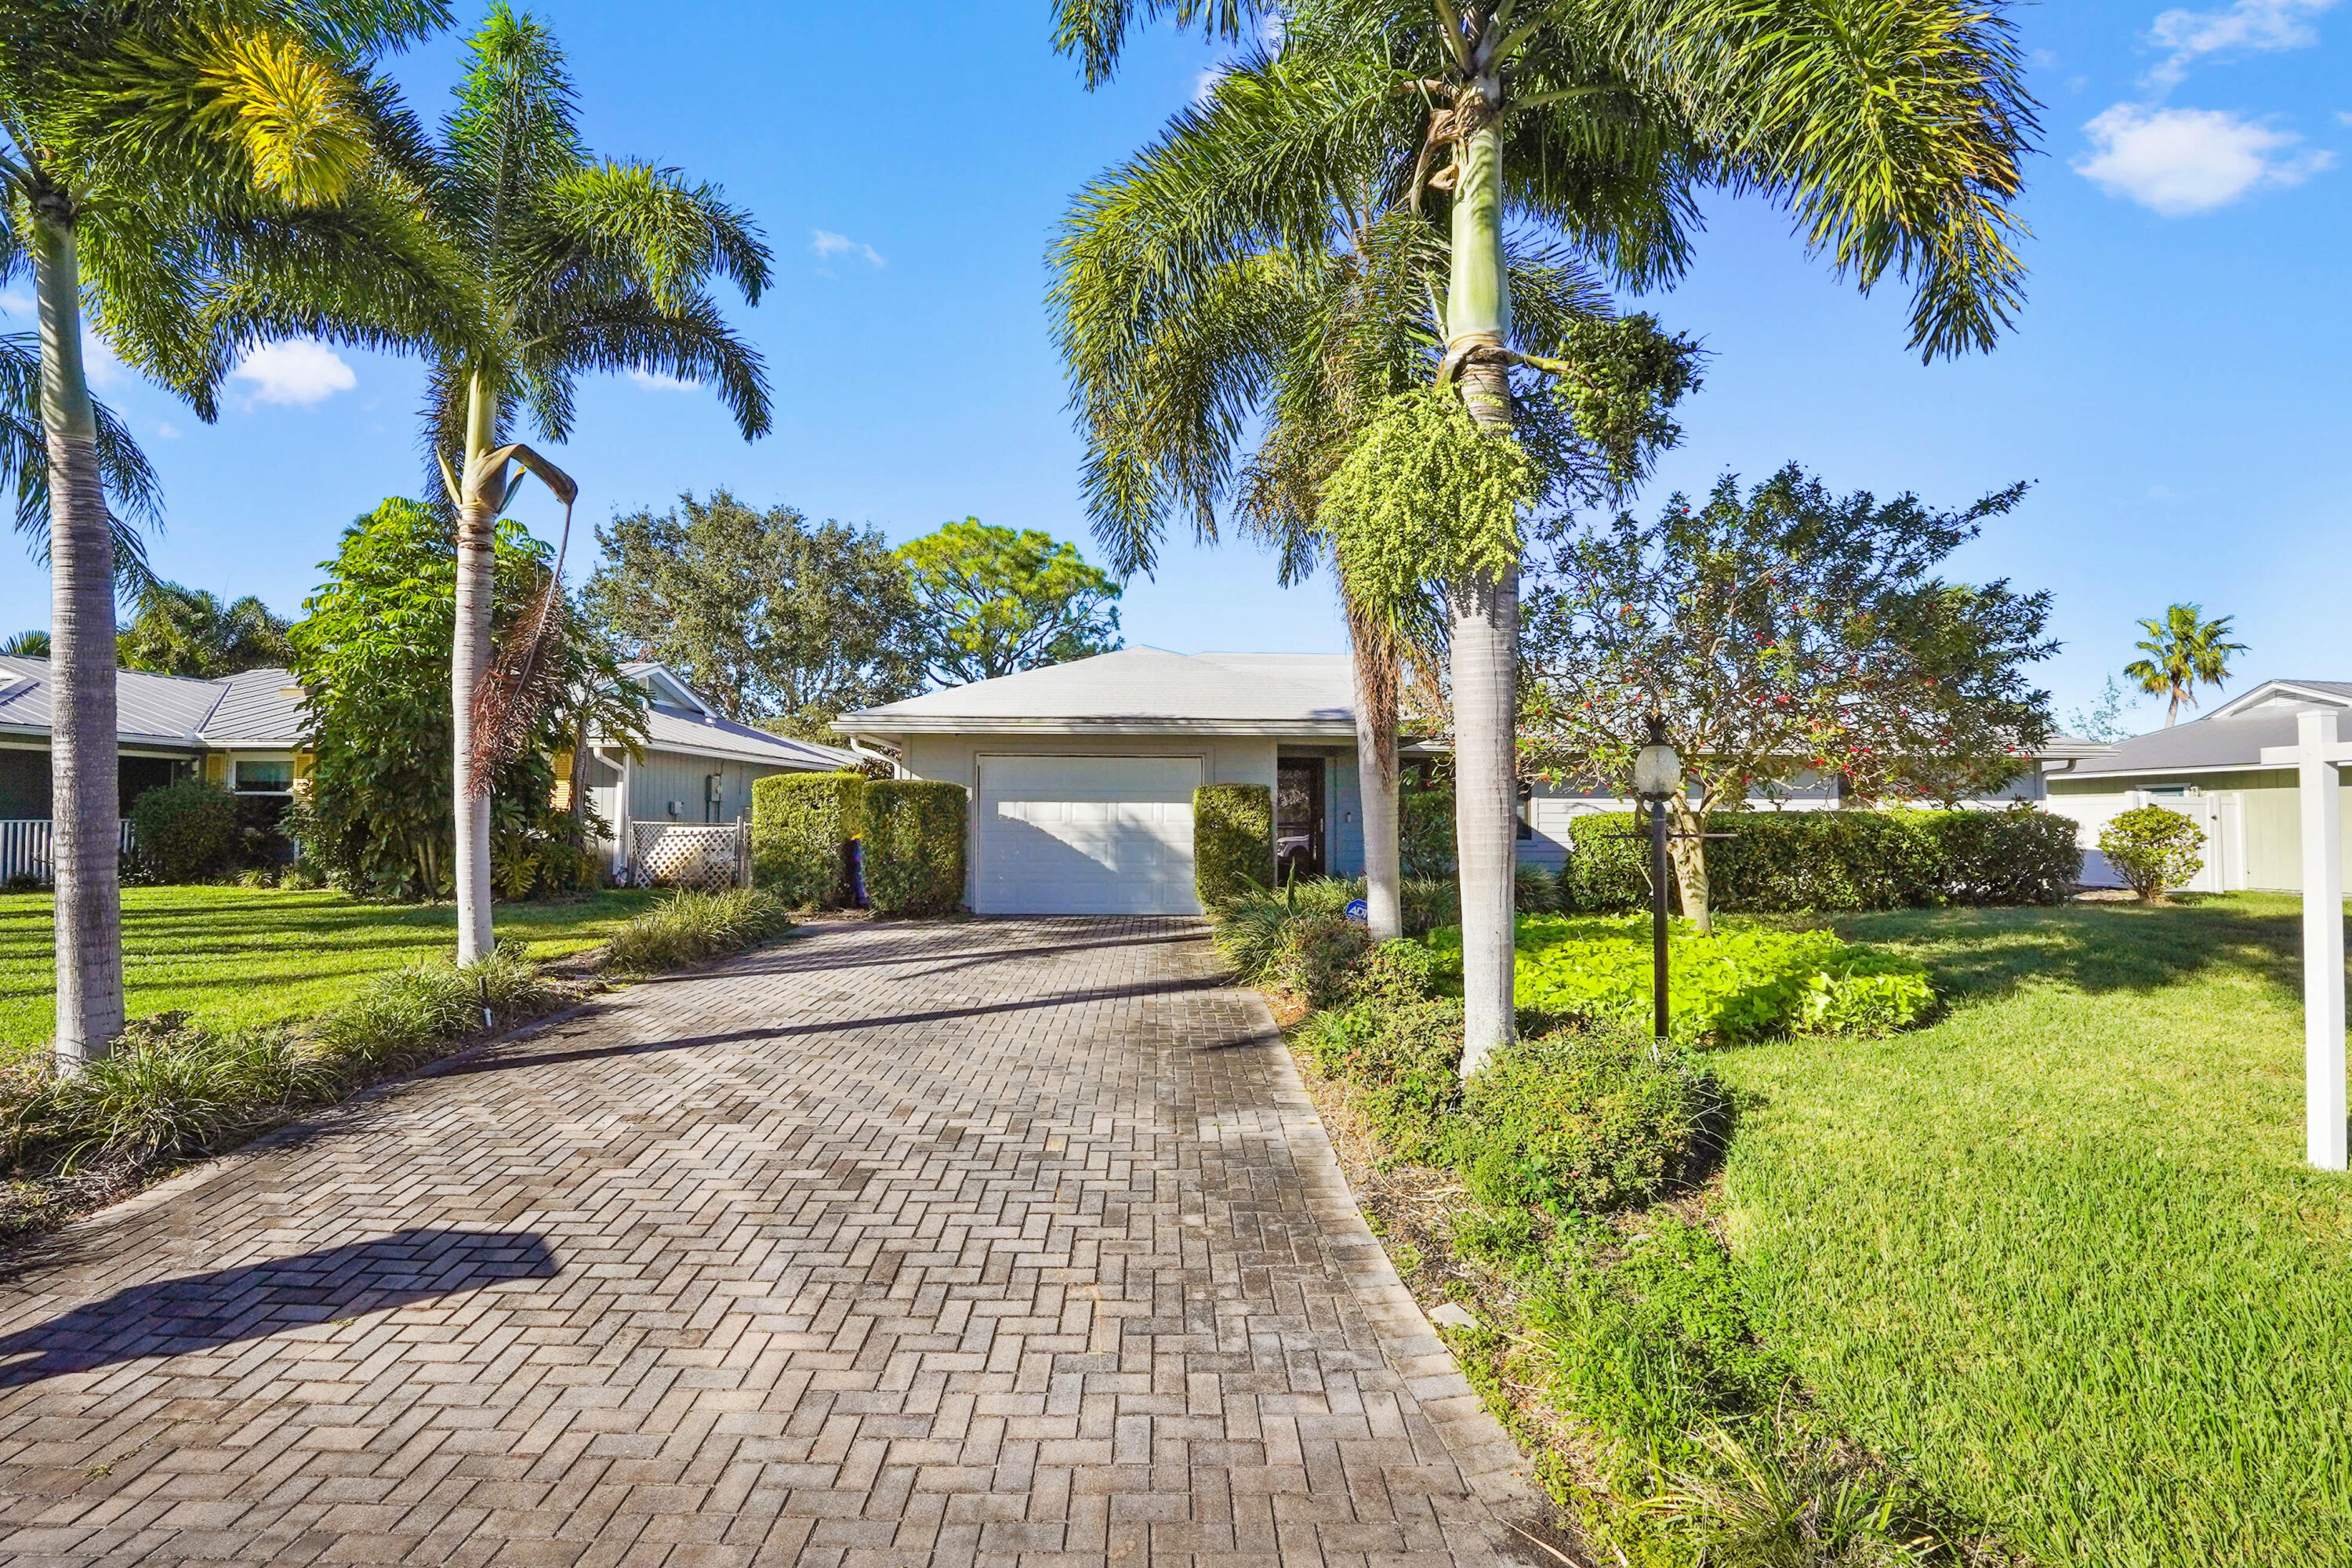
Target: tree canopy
2184,651
773,617
373,649
1780,632
995,601
177,630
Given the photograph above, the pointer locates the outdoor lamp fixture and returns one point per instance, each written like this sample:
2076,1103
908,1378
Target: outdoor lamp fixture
1657,778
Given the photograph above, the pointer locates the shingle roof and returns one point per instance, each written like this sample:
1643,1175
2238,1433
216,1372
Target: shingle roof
1139,686
263,707
2232,736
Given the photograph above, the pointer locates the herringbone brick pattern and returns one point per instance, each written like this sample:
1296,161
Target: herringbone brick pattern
997,1242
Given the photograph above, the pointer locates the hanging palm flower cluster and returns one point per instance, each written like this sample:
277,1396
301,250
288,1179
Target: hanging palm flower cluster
1425,495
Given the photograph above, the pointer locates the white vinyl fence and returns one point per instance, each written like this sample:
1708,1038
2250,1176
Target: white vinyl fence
25,848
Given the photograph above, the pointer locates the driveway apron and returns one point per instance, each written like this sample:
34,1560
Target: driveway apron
1006,1241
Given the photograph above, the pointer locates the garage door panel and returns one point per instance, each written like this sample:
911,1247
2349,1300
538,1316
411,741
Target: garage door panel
1085,836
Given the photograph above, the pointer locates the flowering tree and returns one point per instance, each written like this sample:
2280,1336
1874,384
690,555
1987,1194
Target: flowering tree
1781,633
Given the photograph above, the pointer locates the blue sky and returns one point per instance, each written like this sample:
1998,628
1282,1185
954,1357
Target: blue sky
2177,389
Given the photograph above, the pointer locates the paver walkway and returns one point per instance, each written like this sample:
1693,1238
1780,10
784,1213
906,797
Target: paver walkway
1006,1241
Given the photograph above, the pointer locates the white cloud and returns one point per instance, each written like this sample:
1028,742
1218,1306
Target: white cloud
299,371
1206,84
2243,25
2182,160
100,365
19,302
166,431
655,381
828,244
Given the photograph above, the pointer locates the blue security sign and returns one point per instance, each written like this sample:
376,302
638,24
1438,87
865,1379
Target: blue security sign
1360,913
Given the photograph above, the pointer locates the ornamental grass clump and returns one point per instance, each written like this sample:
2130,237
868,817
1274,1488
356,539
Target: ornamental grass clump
401,1017
688,927
1248,926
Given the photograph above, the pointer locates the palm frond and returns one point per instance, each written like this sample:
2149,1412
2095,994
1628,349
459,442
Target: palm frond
1097,30
648,224
575,332
136,494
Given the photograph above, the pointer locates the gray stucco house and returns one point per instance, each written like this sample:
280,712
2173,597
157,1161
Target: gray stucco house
1081,775
243,733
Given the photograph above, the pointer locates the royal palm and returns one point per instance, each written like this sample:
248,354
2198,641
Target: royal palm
199,173
1890,128
586,264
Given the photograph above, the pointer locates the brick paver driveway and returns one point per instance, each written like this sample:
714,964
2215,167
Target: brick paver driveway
895,1243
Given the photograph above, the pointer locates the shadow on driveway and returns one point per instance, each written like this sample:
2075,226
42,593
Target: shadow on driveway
204,1311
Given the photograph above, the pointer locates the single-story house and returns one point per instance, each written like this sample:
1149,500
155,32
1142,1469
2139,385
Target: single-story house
1081,775
2210,770
243,731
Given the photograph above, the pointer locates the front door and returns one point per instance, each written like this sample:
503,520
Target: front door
1298,818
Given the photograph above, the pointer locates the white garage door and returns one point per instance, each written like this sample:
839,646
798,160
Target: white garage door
1085,836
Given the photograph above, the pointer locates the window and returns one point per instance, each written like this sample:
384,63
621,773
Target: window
1526,797
264,778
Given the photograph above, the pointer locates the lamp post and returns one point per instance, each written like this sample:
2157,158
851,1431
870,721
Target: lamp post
1657,778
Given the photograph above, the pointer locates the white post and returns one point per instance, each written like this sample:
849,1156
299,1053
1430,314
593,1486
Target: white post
2316,756
2325,1109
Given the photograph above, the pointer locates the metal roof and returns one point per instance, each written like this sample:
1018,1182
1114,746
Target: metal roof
669,729
1145,688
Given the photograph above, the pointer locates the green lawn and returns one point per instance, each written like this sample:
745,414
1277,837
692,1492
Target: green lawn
2059,1253
248,955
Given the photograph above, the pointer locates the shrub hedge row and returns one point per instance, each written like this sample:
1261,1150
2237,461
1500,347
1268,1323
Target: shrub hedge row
1233,841
801,827
1805,862
913,840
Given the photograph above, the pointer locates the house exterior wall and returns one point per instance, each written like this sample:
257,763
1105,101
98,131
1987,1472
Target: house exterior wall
2267,803
659,780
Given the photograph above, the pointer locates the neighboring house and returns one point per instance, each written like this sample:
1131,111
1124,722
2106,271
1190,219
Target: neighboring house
243,732
2211,769
1082,774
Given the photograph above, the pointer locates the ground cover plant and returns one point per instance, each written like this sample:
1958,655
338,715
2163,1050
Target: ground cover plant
233,957
1739,982
2060,1248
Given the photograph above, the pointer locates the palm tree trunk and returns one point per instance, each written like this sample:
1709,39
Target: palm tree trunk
1485,628
1377,676
85,826
480,492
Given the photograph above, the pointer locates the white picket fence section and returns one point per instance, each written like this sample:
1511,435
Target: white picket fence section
25,848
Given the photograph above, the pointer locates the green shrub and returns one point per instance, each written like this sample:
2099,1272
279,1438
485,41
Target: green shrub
1582,1119
401,1017
1738,984
688,927
1804,862
801,827
913,842
2152,849
1534,890
184,832
1316,958
1425,830
1429,904
1403,1064
1233,841
1247,928
1397,973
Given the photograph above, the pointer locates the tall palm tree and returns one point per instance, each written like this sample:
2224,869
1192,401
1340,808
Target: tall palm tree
1299,347
27,645
1892,128
199,173
587,264
2184,651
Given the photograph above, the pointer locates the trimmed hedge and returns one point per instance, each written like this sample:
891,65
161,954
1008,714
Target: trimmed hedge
913,842
184,832
801,827
1806,862
1233,841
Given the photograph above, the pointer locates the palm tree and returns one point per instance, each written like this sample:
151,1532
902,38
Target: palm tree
179,630
1891,128
1301,345
27,645
200,175
586,264
2184,651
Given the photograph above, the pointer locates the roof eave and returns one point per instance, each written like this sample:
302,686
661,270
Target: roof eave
875,723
